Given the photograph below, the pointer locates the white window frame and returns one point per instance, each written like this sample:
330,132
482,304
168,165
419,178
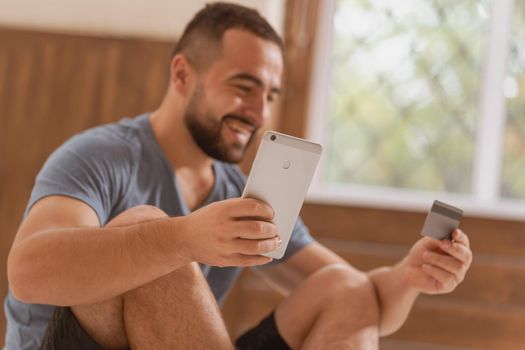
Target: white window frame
485,199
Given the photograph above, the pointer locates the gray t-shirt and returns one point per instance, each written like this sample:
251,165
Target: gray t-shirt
112,168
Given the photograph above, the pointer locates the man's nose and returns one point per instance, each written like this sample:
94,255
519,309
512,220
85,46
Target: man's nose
259,110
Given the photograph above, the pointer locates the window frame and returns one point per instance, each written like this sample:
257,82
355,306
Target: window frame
485,198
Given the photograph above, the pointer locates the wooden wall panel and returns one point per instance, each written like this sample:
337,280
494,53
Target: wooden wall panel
299,36
489,236
52,86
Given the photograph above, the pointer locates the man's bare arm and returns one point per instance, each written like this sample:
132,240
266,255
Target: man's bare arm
396,287
61,256
431,267
394,298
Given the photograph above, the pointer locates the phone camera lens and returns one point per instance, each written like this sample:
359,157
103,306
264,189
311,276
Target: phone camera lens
273,137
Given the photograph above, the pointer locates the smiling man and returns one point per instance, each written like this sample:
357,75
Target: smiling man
135,232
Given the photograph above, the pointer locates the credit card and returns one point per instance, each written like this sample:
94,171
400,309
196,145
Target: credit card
441,221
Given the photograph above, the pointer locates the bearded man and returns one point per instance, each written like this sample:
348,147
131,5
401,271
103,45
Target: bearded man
135,232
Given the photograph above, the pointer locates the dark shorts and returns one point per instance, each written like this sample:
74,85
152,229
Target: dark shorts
64,332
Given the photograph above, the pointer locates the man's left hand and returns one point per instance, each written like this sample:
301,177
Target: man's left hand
437,267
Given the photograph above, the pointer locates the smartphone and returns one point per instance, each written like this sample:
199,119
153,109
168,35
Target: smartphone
280,176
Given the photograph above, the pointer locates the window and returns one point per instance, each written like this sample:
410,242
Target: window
413,96
513,184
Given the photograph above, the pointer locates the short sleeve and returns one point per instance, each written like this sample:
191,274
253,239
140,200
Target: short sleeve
300,238
88,167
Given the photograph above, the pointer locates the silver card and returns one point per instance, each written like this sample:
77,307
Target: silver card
441,221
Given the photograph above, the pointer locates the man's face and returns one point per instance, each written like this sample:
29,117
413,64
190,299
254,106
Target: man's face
231,100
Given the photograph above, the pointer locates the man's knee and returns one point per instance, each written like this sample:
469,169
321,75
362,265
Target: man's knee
339,299
346,287
136,215
105,321
185,278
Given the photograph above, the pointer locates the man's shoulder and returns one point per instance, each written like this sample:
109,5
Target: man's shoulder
118,139
96,166
126,131
102,151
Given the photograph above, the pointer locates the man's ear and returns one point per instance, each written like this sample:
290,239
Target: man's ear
181,74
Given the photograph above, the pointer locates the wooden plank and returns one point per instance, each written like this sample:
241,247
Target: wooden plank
465,324
299,35
491,278
396,344
488,236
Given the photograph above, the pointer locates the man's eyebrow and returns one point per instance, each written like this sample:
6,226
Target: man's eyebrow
253,79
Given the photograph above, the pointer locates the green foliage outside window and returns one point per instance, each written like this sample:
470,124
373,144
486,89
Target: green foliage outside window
404,89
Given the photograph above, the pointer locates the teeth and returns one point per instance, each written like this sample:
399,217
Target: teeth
239,127
236,128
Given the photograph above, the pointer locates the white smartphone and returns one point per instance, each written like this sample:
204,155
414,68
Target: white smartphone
280,176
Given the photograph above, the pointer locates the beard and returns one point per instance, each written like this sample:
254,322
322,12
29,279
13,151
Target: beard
206,130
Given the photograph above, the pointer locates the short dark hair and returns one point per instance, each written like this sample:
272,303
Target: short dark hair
202,37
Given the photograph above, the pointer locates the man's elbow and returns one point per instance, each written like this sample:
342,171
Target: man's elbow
18,276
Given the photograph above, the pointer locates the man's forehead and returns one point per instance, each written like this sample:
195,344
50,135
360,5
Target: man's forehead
244,52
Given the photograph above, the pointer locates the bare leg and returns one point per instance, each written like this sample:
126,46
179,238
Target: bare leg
176,311
335,308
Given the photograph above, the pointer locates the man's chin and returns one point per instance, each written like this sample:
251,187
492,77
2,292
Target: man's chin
234,152
234,157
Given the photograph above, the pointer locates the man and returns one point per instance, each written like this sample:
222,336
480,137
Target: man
136,232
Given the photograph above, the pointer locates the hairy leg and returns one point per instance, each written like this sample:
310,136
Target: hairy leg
176,311
335,308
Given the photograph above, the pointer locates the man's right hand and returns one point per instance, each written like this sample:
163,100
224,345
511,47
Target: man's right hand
233,232
61,255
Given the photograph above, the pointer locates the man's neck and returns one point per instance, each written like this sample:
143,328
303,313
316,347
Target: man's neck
193,168
177,143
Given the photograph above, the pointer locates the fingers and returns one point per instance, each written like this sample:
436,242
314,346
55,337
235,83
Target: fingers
233,232
256,246
243,260
446,263
460,237
449,267
253,229
457,250
249,208
255,237
251,260
445,281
